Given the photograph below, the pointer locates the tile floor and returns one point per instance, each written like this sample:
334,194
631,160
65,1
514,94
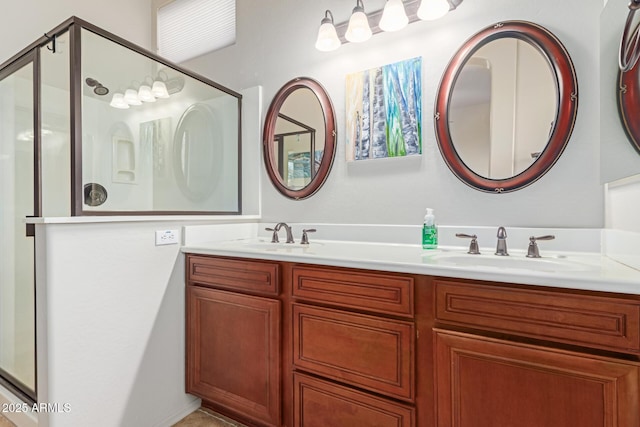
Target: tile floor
5,422
199,418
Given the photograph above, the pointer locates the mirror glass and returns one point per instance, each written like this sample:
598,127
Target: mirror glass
299,138
502,108
506,106
198,149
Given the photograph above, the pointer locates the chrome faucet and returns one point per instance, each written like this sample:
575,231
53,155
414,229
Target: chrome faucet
501,248
276,229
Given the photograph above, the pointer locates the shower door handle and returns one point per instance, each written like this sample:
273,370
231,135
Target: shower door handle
30,229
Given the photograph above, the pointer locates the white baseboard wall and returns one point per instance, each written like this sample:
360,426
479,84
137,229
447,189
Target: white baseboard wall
186,410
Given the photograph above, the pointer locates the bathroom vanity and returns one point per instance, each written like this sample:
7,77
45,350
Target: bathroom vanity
277,337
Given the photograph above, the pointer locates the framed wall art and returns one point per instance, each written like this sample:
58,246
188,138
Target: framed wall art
384,111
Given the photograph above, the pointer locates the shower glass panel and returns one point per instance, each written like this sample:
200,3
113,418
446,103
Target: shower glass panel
55,151
17,153
153,138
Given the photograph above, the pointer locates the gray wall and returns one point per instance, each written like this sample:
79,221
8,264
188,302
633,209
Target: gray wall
24,21
275,43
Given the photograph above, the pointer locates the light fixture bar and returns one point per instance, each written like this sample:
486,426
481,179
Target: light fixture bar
410,7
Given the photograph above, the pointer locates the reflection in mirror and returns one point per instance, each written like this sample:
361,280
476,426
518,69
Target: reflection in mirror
197,154
506,106
502,108
629,103
299,138
619,100
175,145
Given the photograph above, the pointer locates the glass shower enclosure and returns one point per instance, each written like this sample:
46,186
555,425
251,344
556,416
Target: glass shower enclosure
91,124
18,199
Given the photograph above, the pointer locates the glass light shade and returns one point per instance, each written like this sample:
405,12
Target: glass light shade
394,17
145,95
358,30
327,38
159,89
118,101
433,9
131,97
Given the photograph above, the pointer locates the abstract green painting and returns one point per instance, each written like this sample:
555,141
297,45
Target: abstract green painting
384,111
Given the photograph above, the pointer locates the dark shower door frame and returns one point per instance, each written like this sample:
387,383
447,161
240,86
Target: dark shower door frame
13,65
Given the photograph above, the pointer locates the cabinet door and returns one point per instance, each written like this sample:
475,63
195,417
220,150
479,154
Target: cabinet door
233,352
484,382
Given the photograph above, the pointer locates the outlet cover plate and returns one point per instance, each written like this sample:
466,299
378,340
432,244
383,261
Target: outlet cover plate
166,237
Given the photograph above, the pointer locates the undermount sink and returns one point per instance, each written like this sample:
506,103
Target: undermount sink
512,262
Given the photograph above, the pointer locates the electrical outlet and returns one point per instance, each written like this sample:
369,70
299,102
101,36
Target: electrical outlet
166,237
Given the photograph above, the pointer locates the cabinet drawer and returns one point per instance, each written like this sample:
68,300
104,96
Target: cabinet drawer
593,321
366,351
234,274
320,404
376,292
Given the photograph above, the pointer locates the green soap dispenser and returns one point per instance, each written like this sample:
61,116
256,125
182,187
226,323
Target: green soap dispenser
429,231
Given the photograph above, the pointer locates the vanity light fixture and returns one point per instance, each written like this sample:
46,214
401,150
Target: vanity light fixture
131,97
359,30
118,101
145,95
433,9
159,89
630,41
395,16
327,37
150,90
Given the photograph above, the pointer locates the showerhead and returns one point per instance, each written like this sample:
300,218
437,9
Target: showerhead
98,89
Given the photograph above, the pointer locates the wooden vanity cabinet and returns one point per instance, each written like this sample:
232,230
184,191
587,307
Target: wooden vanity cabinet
234,337
296,345
527,357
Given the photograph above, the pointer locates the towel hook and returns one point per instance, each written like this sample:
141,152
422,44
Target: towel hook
52,39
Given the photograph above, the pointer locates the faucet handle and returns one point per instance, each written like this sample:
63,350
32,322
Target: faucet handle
473,246
546,237
274,237
502,233
532,251
305,238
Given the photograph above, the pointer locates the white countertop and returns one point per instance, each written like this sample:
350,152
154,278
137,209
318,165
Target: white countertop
576,270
